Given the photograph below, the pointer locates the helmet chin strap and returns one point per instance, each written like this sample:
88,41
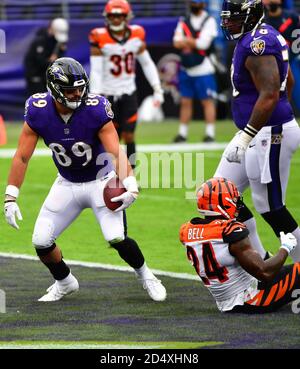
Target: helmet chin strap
258,24
236,36
64,101
73,104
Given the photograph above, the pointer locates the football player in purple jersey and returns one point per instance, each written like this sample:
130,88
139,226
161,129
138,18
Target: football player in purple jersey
260,153
78,128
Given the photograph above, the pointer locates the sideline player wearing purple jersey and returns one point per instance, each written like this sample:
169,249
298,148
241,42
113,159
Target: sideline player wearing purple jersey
260,153
78,128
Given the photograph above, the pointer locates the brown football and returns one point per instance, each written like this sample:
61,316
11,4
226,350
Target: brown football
113,188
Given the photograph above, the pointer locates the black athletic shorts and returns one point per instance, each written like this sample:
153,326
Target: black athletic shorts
125,109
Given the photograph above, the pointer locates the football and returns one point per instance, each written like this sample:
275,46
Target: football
113,188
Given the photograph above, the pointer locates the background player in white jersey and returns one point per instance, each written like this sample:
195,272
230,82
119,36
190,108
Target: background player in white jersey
114,51
78,128
260,154
220,250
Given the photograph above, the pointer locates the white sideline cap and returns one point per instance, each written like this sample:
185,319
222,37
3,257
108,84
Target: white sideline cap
60,29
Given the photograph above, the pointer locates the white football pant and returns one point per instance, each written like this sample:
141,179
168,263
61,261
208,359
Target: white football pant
65,202
266,166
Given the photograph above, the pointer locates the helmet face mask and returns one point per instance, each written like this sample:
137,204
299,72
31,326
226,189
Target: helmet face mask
219,197
240,16
116,22
67,82
117,14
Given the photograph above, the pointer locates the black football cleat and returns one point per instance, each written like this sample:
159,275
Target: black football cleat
208,139
179,139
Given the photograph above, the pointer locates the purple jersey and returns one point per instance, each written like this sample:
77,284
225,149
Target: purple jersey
76,149
265,41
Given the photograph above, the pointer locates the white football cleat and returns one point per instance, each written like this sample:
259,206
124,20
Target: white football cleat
57,291
154,288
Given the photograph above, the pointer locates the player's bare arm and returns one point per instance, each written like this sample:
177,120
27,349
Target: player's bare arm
265,75
27,143
251,261
266,78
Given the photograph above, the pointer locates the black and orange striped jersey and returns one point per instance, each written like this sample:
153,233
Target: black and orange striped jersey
101,36
207,244
229,231
275,294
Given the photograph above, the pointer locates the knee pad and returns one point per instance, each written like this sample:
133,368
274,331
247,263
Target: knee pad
280,220
43,234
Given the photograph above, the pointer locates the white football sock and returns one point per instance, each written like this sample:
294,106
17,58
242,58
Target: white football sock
254,237
69,278
210,129
144,272
183,130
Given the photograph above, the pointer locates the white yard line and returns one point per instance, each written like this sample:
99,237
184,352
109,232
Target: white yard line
9,153
88,264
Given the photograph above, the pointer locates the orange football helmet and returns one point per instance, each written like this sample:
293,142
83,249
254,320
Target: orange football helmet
219,196
117,7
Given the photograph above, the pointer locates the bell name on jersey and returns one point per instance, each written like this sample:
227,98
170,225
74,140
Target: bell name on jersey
207,244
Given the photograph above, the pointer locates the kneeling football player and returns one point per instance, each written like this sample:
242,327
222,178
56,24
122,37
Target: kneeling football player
221,253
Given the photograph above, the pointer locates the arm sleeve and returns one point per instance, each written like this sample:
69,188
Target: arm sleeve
100,114
30,116
27,113
93,37
149,69
96,72
207,35
182,233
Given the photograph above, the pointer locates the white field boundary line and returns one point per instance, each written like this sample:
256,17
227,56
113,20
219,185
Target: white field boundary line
9,153
88,264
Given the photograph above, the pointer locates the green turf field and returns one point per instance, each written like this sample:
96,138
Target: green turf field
154,221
